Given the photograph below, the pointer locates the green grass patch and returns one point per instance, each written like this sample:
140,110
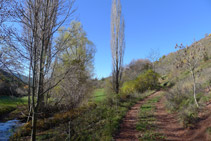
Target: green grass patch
147,120
8,104
99,95
104,121
12,101
205,98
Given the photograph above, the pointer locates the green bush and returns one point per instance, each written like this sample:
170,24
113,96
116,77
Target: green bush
145,81
128,87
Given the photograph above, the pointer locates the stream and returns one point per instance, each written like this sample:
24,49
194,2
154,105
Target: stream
8,128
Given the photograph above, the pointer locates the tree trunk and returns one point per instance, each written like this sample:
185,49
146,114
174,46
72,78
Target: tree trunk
29,89
194,88
34,125
117,82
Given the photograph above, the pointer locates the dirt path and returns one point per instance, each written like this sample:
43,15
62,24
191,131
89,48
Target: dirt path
168,125
128,130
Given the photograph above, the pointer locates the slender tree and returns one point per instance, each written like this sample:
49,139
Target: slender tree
190,57
117,43
154,56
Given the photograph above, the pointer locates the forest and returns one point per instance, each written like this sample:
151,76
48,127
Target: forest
49,90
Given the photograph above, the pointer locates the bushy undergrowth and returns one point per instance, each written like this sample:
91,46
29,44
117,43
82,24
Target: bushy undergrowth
189,116
145,81
180,99
5,110
92,122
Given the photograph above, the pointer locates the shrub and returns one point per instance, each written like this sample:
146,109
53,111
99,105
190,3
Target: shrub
189,116
176,96
180,99
205,57
6,110
181,96
128,87
147,81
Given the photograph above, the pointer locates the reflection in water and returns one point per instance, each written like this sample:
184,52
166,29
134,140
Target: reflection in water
7,129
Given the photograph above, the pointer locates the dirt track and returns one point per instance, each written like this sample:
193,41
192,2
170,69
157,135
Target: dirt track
168,124
128,130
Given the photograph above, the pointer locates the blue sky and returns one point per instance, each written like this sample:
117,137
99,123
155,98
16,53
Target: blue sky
150,24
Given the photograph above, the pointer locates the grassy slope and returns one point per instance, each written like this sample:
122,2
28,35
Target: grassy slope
166,63
182,79
166,68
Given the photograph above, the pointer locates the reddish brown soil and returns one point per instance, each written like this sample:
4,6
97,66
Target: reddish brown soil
128,130
168,124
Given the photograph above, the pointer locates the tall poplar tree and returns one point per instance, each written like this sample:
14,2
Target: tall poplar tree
117,43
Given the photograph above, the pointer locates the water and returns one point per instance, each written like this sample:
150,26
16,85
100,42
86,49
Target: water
8,128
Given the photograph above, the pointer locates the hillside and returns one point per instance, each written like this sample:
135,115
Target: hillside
12,86
166,62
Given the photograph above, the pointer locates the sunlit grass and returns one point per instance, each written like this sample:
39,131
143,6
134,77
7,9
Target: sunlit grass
12,101
99,95
8,104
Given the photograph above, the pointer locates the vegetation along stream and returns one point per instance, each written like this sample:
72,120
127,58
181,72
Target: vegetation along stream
8,128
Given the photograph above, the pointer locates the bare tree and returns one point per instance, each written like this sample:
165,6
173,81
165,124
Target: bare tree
5,12
5,53
40,20
117,43
154,56
190,57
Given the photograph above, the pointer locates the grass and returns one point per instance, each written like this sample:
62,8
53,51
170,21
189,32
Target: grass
8,104
208,133
12,101
208,130
98,121
147,120
103,121
99,95
205,98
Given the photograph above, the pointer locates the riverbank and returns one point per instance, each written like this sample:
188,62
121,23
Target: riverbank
12,108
